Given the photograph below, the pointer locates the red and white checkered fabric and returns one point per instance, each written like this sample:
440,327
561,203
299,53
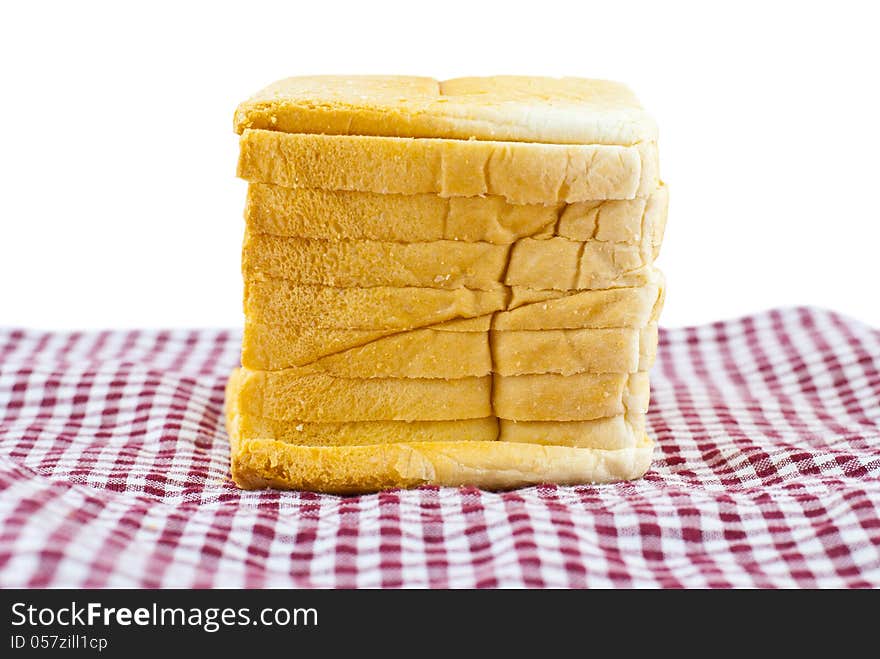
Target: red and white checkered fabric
114,472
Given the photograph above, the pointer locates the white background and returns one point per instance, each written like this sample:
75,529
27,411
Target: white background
119,206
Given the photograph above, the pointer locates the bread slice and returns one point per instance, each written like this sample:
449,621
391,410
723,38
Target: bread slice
570,351
635,306
648,341
364,263
615,432
359,433
520,172
609,433
347,215
622,431
279,302
578,397
348,433
553,263
422,353
597,244
516,108
595,259
441,353
271,347
565,265
265,463
351,215
310,394
639,221
277,332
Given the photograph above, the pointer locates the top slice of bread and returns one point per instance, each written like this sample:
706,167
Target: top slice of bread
498,108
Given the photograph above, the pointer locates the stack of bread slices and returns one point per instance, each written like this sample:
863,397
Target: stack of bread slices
446,282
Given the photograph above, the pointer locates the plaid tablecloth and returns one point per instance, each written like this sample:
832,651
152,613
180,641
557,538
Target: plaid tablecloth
113,472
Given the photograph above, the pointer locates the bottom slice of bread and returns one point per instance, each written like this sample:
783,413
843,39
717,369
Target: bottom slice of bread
262,463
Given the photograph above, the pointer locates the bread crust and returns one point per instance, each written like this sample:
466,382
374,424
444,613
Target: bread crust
516,108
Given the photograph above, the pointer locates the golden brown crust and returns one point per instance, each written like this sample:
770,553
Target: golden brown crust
516,108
